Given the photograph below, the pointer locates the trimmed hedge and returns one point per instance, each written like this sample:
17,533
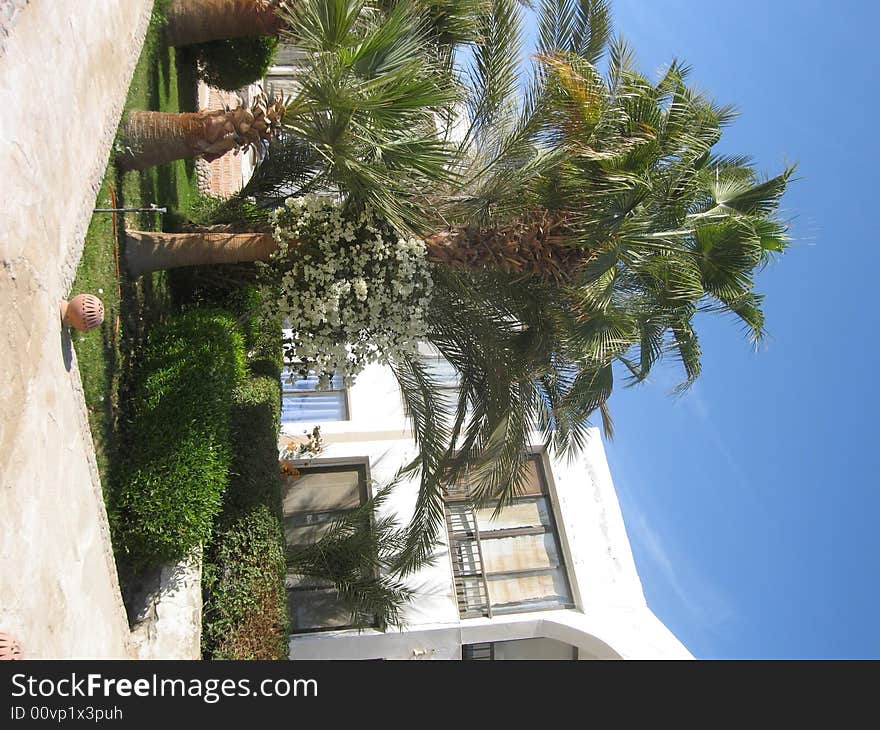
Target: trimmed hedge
244,598
256,478
228,286
177,467
245,601
235,62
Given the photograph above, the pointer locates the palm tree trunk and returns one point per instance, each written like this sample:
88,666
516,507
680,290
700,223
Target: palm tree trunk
153,138
199,21
535,247
146,251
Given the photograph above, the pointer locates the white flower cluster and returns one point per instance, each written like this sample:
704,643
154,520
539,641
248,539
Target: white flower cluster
353,290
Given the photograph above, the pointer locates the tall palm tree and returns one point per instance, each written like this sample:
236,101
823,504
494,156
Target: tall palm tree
581,224
661,228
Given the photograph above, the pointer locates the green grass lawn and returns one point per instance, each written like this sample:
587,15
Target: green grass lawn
164,80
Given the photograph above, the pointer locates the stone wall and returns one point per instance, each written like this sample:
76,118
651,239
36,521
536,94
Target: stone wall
9,12
63,82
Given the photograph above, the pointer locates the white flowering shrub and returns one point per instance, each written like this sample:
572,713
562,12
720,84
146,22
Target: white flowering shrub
353,290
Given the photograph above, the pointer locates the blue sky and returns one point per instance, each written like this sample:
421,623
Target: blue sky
752,501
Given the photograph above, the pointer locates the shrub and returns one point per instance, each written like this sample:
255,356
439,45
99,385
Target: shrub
177,468
256,478
228,286
235,62
245,601
263,336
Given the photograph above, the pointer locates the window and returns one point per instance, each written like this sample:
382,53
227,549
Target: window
479,652
446,379
510,564
301,401
310,502
442,372
520,649
439,368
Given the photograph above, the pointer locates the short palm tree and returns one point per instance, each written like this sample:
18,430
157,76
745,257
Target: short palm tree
580,224
358,556
201,21
151,138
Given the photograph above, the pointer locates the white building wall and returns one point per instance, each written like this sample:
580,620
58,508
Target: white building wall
612,619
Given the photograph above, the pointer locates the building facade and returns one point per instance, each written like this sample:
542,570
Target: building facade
552,577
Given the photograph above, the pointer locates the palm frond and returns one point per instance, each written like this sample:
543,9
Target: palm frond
366,101
290,168
429,414
356,556
494,70
581,27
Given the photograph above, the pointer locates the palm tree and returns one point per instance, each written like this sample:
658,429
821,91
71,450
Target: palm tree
358,556
200,21
151,138
581,226
398,63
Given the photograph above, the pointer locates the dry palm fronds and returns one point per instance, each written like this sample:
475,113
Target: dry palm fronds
533,245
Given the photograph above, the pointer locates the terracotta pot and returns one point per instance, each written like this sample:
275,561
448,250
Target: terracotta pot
84,312
9,647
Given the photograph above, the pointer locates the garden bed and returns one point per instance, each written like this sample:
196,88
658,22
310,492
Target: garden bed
244,598
185,429
164,80
109,360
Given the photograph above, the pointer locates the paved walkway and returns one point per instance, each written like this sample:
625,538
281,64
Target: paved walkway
64,74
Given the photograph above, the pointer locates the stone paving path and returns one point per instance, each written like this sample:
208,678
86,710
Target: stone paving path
64,74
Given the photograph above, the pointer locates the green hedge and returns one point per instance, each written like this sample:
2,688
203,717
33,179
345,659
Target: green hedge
245,602
256,478
177,467
228,286
235,62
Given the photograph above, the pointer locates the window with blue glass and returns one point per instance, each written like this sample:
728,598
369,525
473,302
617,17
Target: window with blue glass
301,401
442,372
